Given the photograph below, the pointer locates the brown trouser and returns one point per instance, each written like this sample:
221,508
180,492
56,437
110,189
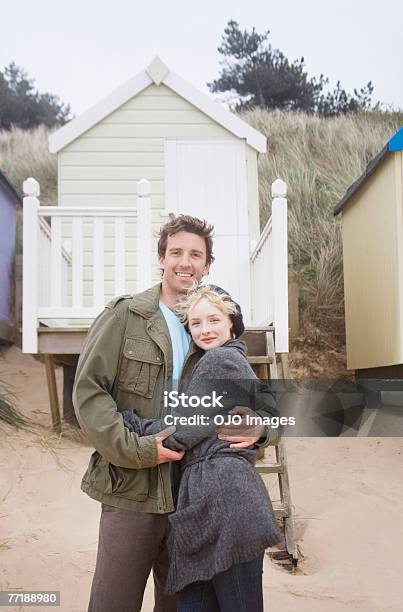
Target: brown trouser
130,545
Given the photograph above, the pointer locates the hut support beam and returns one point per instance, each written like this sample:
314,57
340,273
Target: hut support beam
52,390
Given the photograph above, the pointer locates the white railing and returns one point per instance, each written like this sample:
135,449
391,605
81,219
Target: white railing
55,282
269,270
45,242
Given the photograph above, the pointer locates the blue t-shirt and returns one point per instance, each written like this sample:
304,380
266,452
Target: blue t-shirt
180,340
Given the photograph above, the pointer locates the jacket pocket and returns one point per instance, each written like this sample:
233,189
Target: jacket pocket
141,365
97,473
197,526
128,483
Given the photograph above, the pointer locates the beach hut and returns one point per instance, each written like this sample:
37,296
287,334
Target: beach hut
9,200
197,158
372,229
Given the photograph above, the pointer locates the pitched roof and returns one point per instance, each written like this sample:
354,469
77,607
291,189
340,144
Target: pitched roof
394,144
158,73
8,187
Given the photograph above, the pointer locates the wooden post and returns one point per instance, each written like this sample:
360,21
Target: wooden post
144,244
69,372
52,390
285,366
30,266
280,264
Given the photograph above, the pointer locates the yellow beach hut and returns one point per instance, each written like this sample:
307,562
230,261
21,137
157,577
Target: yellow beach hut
372,230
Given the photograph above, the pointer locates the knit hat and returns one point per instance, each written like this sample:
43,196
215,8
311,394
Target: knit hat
237,318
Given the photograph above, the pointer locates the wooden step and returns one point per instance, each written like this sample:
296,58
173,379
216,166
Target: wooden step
280,511
270,468
255,360
61,340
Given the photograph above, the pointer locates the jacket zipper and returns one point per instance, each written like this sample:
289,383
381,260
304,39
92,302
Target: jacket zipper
164,501
161,415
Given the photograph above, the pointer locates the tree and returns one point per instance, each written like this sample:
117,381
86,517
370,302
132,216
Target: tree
259,75
21,105
339,101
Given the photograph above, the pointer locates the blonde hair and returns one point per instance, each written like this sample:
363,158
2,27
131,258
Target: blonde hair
221,300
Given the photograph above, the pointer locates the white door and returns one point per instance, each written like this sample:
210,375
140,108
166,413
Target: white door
207,179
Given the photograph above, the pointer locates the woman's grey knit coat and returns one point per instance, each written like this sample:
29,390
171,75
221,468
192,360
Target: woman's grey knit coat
224,515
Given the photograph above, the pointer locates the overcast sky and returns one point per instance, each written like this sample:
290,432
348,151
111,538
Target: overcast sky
81,50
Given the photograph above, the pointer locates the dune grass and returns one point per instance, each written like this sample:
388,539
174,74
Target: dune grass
9,413
45,438
25,153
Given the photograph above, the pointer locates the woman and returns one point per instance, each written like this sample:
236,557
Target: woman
224,519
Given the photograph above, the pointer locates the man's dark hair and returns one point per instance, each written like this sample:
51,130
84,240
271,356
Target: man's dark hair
186,223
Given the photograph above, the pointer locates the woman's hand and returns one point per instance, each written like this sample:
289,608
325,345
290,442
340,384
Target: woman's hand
245,434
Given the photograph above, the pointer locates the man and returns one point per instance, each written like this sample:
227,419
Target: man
134,347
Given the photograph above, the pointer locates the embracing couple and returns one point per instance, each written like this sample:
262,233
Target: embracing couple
185,502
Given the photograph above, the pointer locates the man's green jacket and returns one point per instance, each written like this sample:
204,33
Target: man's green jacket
126,363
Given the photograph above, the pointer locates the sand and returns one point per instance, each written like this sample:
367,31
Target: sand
347,497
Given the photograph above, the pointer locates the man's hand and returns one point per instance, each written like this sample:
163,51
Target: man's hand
244,434
165,454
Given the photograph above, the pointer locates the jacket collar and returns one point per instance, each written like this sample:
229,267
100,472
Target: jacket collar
146,303
238,345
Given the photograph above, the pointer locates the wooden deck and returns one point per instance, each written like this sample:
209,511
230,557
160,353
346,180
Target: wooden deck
61,340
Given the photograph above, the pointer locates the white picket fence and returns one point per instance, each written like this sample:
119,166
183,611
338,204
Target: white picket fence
269,261
48,268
